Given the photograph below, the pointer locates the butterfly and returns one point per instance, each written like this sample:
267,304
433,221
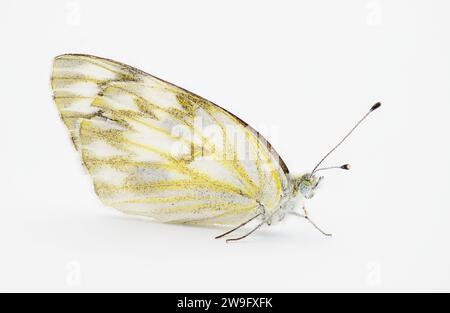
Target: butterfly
154,149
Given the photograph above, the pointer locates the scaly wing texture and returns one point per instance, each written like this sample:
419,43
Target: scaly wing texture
154,149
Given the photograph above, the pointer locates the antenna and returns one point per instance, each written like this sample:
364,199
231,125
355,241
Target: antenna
346,167
373,108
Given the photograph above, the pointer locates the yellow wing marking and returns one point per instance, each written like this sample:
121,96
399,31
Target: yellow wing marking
116,138
258,163
273,171
196,208
134,116
120,163
222,209
105,190
78,79
179,116
194,174
174,199
234,163
175,114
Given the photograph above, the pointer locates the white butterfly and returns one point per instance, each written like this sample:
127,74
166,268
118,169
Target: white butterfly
154,149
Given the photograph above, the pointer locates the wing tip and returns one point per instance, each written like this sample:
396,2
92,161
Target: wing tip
78,55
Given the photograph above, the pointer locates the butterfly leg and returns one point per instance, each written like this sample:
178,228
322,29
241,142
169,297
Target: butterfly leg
265,221
306,216
249,233
236,228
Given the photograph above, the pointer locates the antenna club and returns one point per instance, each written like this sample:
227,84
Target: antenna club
375,106
346,167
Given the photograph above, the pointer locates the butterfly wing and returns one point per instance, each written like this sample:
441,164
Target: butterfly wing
154,149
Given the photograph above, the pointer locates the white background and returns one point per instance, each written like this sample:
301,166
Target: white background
302,72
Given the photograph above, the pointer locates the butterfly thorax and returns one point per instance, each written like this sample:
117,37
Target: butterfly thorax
292,200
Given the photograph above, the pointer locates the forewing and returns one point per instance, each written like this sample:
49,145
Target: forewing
157,150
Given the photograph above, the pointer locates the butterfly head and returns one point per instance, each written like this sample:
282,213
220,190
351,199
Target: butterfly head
308,184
